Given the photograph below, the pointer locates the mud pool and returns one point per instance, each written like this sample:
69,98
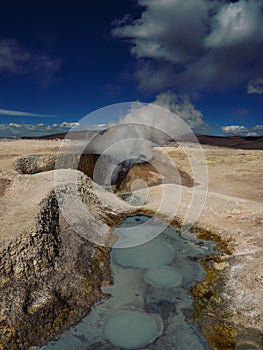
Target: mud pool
150,305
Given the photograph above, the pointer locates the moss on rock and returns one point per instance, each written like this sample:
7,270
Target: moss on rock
210,309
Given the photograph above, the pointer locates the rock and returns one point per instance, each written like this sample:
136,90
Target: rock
35,163
44,279
241,293
135,199
160,170
87,163
140,176
50,273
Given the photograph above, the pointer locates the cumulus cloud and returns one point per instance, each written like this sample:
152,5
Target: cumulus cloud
233,129
243,130
255,86
235,24
69,125
194,44
17,60
182,106
19,130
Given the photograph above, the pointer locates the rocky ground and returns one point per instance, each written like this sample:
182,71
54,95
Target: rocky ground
50,275
51,272
43,259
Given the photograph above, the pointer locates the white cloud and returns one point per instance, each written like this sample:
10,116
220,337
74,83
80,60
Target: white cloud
39,129
255,86
194,44
160,32
234,129
235,24
17,60
183,107
69,125
8,112
252,134
15,125
19,130
243,130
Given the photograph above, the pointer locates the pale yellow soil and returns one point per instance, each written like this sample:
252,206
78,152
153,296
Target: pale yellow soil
232,207
10,150
233,172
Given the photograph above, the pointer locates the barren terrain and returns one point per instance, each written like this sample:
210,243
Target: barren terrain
233,172
232,208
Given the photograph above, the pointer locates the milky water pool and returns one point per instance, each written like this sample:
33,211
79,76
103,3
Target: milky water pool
150,305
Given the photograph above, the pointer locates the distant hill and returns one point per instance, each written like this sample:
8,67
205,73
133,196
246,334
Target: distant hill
239,142
76,135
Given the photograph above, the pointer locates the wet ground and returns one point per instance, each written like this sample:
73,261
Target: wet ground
150,305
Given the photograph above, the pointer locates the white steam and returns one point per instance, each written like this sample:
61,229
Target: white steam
133,138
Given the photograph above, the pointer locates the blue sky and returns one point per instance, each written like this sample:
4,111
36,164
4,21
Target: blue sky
202,59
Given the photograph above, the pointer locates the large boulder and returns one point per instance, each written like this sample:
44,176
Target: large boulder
37,163
160,170
87,163
51,273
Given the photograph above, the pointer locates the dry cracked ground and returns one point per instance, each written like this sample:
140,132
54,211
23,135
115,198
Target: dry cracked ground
232,208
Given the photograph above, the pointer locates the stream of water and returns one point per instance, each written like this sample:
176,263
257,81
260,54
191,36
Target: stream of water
150,305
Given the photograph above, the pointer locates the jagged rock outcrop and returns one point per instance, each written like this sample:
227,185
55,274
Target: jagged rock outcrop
87,163
238,222
51,273
150,176
160,170
36,163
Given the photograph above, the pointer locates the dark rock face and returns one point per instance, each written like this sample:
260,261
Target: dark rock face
156,173
36,163
238,142
50,277
153,176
